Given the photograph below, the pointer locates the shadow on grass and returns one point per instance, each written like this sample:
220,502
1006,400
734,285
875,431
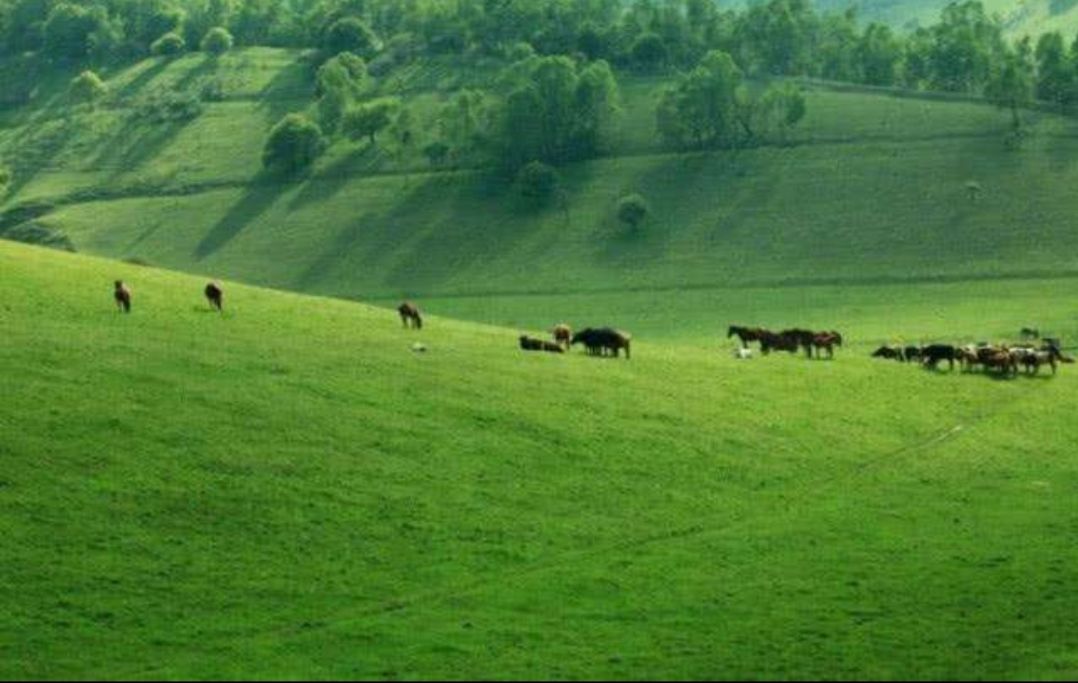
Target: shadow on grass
257,199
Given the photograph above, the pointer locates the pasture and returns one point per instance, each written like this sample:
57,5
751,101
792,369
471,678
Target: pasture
287,490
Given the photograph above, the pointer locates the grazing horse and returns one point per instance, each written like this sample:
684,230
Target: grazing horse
826,340
530,344
911,353
779,342
600,340
891,353
563,334
803,338
215,295
122,295
745,334
932,354
410,315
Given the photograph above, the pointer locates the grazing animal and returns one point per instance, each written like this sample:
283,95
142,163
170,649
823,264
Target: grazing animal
932,354
563,334
1002,359
215,295
888,352
826,340
1030,333
742,354
122,295
912,353
410,315
967,357
803,338
600,340
531,344
770,341
745,334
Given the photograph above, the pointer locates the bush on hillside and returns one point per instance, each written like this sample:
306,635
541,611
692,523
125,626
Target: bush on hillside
293,144
87,87
217,41
168,45
351,34
538,181
632,210
370,118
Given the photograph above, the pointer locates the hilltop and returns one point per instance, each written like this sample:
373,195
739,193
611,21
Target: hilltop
287,490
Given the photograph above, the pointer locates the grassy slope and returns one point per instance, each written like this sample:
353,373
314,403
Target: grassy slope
287,491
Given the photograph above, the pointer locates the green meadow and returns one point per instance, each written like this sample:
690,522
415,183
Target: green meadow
287,490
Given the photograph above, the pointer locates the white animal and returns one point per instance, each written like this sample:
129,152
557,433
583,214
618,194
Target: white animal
742,354
419,347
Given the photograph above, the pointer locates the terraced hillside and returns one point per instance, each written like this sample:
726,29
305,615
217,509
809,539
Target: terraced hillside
287,490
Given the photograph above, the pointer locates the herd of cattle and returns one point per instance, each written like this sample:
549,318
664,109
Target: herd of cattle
602,341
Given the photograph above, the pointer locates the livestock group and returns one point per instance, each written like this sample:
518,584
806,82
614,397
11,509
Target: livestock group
1003,359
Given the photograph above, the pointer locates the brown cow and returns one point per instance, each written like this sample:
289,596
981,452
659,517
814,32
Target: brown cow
122,295
410,315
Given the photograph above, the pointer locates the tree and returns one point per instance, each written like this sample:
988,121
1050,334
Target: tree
436,152
1055,73
649,52
351,34
369,118
632,210
168,45
780,108
538,181
879,53
337,83
701,109
1011,85
293,144
68,30
217,41
87,87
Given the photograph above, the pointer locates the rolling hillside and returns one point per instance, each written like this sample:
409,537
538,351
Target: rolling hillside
286,490
871,189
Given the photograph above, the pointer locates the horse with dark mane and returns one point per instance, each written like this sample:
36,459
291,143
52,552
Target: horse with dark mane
122,295
911,353
777,341
803,338
891,353
745,334
410,315
215,295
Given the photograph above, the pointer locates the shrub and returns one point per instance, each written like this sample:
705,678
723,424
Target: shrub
351,35
293,144
632,210
369,118
537,181
168,45
217,41
87,87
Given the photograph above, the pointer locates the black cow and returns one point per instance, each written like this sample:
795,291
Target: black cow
932,354
531,344
600,340
888,352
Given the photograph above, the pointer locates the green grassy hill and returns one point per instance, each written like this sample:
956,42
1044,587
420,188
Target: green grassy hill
287,490
870,190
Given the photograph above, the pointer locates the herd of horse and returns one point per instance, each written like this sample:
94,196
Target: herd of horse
1005,359
790,340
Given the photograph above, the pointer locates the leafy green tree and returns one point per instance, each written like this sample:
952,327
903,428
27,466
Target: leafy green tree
649,52
352,34
436,152
293,144
632,210
967,43
538,181
369,118
338,82
879,53
835,50
217,41
1011,85
701,109
780,108
69,29
1055,72
168,45
87,87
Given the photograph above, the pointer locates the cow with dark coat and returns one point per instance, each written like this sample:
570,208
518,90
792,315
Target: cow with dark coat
890,353
410,317
912,353
600,340
215,295
122,295
932,354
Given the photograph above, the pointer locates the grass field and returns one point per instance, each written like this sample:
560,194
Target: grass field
286,490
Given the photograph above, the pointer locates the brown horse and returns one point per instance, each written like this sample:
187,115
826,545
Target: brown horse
215,295
826,340
563,334
122,295
410,315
